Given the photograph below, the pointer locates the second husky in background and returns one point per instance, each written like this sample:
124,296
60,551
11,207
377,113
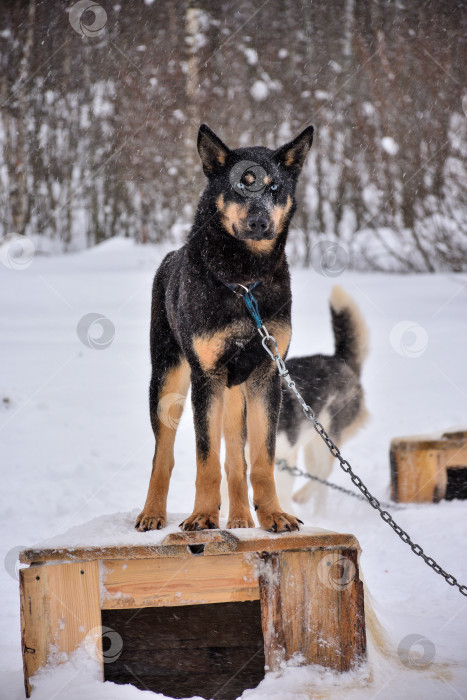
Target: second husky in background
331,385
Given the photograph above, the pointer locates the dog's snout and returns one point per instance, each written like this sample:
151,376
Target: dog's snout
258,224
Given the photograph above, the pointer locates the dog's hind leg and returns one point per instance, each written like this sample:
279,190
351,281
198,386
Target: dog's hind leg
207,395
167,395
306,491
319,462
235,464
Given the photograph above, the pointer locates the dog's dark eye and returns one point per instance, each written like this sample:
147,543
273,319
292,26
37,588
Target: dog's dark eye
274,187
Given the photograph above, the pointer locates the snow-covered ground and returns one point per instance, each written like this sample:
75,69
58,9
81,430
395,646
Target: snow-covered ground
76,444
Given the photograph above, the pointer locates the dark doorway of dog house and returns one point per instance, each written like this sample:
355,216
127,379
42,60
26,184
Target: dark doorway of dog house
214,651
456,484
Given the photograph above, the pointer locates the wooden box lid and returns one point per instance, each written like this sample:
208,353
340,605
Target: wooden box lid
119,540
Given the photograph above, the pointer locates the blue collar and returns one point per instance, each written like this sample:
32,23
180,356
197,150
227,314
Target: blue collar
250,301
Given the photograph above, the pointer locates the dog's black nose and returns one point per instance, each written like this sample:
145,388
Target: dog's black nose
258,224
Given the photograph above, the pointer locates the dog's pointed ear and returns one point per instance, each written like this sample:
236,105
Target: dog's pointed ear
292,155
211,150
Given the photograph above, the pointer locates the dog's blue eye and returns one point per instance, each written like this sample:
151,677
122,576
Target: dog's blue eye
274,187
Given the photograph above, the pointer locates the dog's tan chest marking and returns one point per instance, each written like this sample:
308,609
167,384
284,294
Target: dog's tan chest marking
282,332
209,348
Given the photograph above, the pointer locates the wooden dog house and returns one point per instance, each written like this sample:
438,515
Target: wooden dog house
199,613
426,469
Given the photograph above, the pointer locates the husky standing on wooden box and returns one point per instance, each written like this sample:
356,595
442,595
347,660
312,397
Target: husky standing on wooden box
202,332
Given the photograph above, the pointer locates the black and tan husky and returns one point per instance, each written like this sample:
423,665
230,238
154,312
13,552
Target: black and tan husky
201,332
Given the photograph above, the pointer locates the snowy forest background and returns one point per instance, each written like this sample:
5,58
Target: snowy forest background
98,133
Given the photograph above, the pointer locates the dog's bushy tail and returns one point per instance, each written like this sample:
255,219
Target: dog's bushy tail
350,330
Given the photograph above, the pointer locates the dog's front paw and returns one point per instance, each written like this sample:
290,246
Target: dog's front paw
279,522
150,521
201,521
240,521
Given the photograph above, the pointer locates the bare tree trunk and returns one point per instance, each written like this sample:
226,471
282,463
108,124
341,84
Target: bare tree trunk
19,195
192,28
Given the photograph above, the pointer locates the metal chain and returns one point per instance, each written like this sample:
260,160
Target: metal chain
282,465
345,466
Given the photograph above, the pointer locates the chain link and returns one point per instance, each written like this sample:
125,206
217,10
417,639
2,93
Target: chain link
282,465
345,466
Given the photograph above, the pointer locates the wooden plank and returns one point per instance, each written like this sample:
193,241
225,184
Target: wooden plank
60,607
34,629
203,541
455,456
213,542
139,583
265,542
417,474
312,604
